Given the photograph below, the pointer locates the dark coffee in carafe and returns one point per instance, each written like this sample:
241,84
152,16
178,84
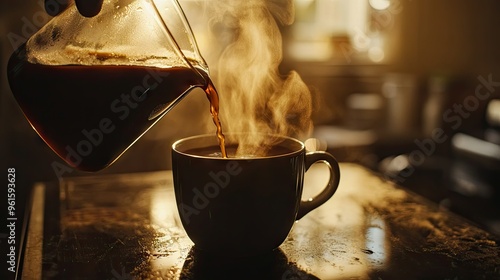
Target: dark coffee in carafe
89,115
91,87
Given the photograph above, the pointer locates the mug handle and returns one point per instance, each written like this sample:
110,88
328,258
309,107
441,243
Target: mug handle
333,183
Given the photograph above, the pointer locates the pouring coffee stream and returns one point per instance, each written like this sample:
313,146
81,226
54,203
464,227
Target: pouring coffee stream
91,92
213,97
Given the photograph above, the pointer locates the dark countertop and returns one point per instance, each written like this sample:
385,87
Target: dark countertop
127,227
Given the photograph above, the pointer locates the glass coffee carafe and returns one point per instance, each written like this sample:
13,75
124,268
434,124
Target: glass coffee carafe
90,87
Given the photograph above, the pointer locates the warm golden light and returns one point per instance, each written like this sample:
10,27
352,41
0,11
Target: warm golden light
376,54
380,4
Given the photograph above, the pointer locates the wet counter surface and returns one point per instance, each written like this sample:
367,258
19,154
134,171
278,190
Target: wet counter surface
127,227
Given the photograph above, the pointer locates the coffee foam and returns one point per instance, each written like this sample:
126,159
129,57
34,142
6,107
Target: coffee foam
85,56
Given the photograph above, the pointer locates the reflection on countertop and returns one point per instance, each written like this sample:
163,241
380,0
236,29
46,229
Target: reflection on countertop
127,227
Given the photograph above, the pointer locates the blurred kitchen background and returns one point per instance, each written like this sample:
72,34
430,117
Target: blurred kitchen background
410,89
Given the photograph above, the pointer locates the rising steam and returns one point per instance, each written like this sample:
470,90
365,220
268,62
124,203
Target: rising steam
255,97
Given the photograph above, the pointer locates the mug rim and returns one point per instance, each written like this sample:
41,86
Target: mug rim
295,152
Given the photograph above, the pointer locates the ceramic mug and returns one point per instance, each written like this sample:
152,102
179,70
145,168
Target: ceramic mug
244,206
